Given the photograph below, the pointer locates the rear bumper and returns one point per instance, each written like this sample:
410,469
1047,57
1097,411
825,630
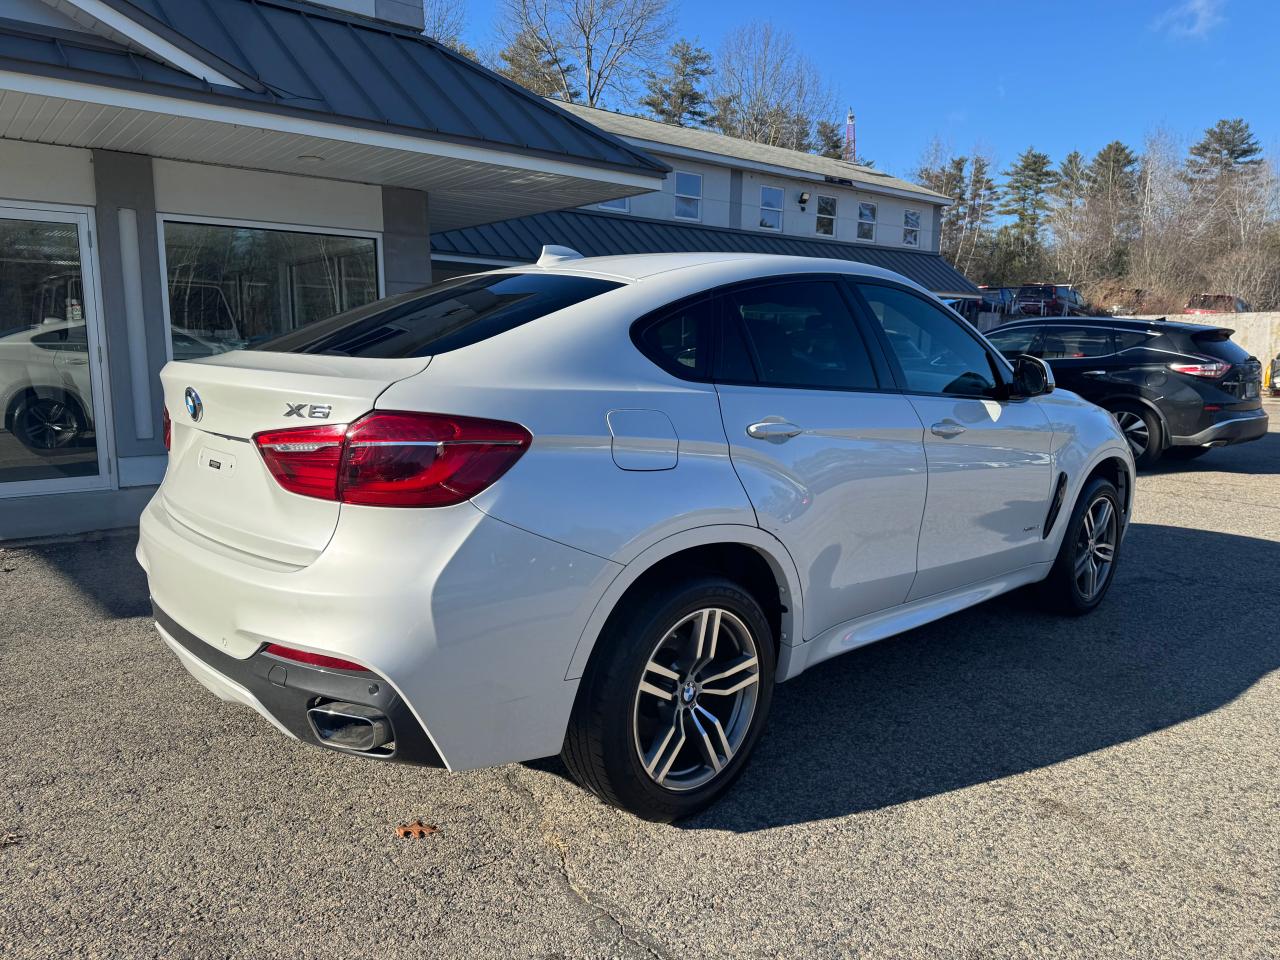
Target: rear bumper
283,691
469,622
1236,429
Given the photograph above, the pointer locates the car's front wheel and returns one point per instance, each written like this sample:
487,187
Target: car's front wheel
673,700
1086,562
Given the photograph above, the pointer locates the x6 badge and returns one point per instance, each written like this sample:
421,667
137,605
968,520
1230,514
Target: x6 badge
314,411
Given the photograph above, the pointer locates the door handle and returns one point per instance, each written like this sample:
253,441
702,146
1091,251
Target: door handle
946,429
775,431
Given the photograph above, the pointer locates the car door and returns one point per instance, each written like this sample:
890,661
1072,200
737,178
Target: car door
989,459
829,451
1083,358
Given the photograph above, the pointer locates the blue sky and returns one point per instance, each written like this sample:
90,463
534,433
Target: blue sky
1004,75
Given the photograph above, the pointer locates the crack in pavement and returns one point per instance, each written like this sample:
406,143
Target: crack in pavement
624,931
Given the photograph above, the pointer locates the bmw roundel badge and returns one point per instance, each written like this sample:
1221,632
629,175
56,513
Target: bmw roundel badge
194,406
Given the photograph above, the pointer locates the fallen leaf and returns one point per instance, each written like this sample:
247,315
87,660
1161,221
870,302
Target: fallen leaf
8,839
417,830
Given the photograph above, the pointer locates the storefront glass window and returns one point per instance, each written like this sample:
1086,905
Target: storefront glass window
232,287
47,428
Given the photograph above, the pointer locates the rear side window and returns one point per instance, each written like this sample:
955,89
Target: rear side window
1129,339
802,334
1074,343
679,340
449,316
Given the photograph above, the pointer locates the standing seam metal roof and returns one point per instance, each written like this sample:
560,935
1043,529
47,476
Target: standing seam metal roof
294,57
600,234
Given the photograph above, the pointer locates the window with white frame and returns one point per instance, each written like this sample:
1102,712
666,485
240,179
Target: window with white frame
866,221
771,208
826,223
911,228
688,196
231,286
620,205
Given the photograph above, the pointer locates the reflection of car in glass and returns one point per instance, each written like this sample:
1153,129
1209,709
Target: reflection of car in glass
200,310
44,384
597,507
1176,389
188,346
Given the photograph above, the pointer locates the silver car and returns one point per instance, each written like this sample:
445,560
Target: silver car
600,507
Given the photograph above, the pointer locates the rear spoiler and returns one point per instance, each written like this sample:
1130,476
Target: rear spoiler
1213,334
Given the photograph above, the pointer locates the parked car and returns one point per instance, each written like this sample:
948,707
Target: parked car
598,507
1177,389
998,299
1049,300
45,397
1205,303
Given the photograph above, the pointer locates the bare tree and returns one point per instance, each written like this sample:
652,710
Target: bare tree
602,45
444,20
765,90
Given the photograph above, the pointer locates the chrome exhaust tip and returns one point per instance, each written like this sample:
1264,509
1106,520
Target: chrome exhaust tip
349,726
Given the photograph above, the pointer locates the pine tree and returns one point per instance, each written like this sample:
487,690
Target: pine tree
675,93
1072,180
1227,146
830,137
1026,193
531,63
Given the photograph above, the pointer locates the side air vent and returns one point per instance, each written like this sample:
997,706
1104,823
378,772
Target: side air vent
1059,494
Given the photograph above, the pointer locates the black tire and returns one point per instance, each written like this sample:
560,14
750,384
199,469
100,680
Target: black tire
1143,431
1186,453
1062,590
48,421
602,748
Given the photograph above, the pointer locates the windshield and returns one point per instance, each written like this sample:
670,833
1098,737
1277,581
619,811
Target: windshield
449,316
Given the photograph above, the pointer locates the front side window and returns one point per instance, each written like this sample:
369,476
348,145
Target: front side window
866,221
1015,341
688,195
232,287
826,224
911,228
771,208
1075,343
935,353
448,316
801,334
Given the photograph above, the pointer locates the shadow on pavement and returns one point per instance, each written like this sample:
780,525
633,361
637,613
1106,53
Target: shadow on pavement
102,568
1261,456
1002,688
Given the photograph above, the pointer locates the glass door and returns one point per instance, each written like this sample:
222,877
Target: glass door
52,433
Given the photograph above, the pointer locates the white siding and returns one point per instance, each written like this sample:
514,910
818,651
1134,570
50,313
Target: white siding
228,193
717,212
36,171
660,205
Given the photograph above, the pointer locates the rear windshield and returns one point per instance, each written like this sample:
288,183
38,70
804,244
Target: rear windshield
1218,344
449,316
1037,292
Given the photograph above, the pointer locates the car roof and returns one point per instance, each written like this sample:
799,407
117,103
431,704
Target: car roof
635,268
1126,323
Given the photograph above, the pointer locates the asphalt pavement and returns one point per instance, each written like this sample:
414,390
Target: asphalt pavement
1002,783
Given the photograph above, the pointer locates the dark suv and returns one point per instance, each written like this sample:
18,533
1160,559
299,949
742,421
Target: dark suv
1177,389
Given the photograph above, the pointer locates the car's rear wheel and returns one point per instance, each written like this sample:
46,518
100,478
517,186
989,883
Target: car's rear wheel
1142,430
46,422
674,699
1086,561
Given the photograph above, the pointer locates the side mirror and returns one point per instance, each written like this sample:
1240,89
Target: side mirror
1032,377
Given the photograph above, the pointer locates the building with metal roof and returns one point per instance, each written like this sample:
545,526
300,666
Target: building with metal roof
184,177
732,195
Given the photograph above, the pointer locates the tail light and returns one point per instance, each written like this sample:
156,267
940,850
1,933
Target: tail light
1209,370
394,459
166,427
314,659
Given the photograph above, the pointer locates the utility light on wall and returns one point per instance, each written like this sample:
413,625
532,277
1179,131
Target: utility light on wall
804,198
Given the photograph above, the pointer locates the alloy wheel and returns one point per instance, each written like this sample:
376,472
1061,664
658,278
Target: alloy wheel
1135,431
48,424
1096,547
696,699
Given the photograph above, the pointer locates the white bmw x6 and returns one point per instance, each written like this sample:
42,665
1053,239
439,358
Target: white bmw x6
600,507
